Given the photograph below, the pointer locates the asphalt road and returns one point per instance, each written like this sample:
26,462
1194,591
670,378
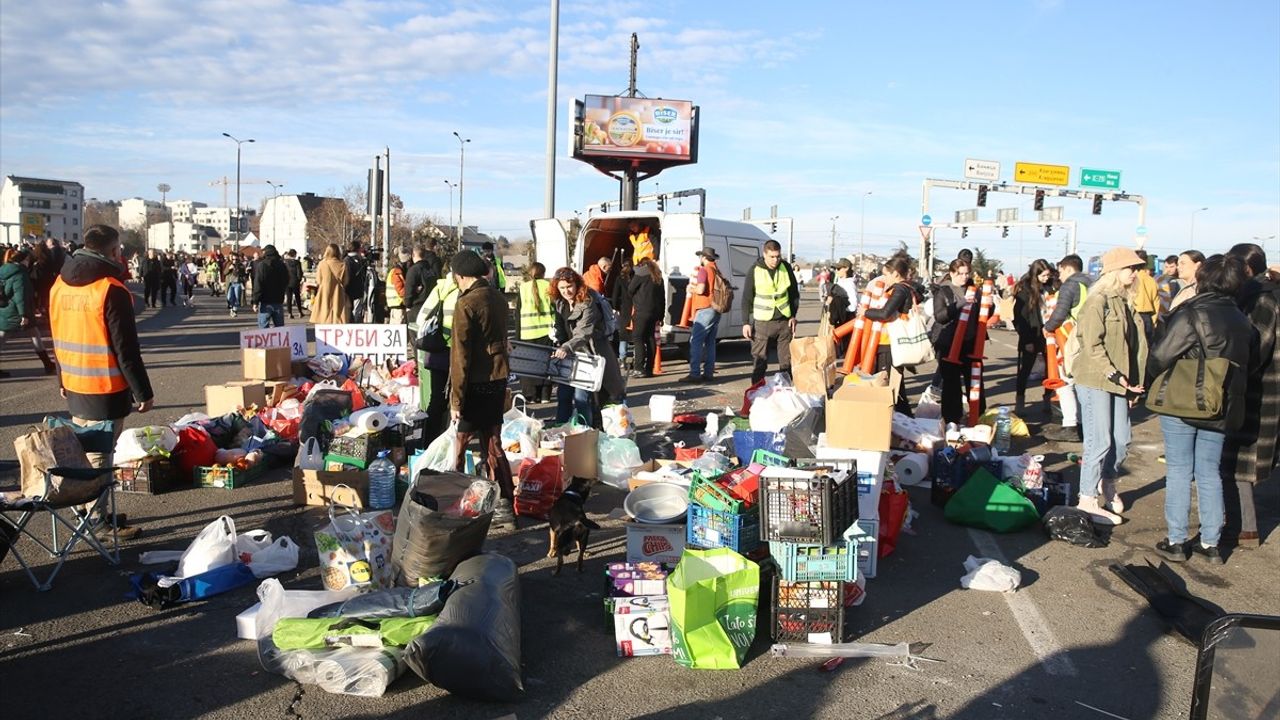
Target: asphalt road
1073,636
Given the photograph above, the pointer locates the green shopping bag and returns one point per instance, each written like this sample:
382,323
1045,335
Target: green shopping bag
986,502
713,595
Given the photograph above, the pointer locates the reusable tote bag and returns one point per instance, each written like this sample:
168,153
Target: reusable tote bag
713,595
909,339
355,548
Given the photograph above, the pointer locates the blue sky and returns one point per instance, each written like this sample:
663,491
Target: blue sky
804,105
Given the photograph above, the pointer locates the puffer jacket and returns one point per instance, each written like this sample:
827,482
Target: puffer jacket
17,296
1224,332
1110,342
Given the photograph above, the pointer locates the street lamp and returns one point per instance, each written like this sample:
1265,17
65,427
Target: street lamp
1193,225
462,158
451,185
164,194
238,143
833,238
1262,242
275,209
862,229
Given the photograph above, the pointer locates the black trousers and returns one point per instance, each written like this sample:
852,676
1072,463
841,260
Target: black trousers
292,295
169,290
642,338
150,290
1027,359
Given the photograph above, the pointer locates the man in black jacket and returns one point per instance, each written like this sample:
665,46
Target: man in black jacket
293,292
270,278
419,280
1071,295
770,304
150,268
357,279
169,279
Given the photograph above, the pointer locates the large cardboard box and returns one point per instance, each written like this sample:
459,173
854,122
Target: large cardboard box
317,487
655,543
860,417
275,363
582,455
813,364
222,399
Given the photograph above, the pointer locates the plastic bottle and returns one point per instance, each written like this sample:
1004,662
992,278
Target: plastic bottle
382,482
1004,431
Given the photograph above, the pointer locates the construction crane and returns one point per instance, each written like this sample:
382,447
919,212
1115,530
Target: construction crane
224,181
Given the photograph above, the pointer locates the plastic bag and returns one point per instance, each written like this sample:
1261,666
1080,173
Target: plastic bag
1072,525
713,595
617,421
214,547
930,405
988,574
777,410
280,555
517,422
539,483
310,456
429,541
355,548
619,460
284,422
195,448
442,453
139,443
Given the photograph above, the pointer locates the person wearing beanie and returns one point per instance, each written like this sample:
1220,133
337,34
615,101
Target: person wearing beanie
478,370
1108,370
270,280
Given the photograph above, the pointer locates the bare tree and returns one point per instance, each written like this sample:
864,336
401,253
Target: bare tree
101,213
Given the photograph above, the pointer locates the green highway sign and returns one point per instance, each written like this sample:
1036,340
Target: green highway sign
1109,179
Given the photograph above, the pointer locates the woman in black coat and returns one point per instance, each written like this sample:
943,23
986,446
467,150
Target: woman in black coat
647,296
1028,301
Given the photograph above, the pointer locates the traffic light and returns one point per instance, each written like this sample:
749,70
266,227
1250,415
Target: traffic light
1048,230
964,233
1004,231
773,227
982,196
1097,204
662,204
1039,204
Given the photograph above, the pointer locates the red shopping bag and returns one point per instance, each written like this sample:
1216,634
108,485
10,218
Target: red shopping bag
357,395
540,484
893,513
685,454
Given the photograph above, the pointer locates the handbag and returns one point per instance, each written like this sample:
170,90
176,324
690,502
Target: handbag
909,339
1193,388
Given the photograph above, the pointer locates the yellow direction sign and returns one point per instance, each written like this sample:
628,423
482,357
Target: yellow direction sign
1038,174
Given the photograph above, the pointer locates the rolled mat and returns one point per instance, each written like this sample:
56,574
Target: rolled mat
358,671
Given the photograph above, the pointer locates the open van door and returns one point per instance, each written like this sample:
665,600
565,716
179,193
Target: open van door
551,243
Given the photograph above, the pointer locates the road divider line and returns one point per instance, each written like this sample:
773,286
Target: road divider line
1029,618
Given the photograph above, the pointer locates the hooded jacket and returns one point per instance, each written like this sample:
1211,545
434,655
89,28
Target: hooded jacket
749,289
85,268
1068,296
270,278
17,295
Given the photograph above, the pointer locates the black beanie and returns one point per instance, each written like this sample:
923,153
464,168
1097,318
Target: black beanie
468,264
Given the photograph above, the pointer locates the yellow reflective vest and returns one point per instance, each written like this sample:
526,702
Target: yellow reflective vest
536,315
771,294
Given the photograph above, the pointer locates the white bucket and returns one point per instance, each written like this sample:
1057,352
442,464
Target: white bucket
662,408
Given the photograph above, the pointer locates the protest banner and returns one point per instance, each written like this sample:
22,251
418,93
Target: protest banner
293,337
376,342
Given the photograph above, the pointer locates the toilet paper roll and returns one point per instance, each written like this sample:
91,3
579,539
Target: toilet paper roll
369,420
912,469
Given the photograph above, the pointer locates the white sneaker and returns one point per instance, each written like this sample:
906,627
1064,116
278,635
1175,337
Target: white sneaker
1097,514
1111,499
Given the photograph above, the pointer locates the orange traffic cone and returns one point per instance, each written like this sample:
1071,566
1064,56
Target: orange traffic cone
657,353
687,313
987,307
975,392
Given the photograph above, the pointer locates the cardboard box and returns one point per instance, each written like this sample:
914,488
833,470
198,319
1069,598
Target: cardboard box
653,466
643,633
222,399
625,579
317,487
582,455
655,543
813,364
280,390
860,417
274,363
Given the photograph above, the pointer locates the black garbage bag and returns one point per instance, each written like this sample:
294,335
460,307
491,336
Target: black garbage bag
1072,525
430,543
323,406
473,649
396,602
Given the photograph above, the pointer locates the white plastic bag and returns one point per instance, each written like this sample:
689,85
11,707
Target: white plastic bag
310,457
281,555
214,547
930,405
519,429
617,420
248,543
442,453
619,460
138,443
777,410
988,574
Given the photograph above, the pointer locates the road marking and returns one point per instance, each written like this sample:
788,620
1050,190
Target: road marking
1028,616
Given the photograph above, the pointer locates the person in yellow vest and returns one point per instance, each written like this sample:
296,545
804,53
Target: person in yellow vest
434,342
537,321
395,291
771,302
499,274
1147,302
95,339
641,246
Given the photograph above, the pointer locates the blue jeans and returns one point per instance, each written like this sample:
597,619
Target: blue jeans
1189,453
702,342
572,401
270,315
1105,418
235,294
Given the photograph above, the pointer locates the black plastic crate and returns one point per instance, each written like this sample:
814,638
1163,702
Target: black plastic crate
809,612
150,476
812,510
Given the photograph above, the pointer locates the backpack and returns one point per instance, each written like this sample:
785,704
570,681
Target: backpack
606,310
721,294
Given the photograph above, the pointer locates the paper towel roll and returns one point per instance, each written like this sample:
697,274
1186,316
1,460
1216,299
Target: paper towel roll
369,420
912,469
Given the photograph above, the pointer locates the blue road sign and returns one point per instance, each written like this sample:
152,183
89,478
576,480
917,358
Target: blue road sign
926,220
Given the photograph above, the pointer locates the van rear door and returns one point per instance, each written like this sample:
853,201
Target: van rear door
551,243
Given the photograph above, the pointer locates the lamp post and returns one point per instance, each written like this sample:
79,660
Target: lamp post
862,227
275,209
1262,242
462,159
1193,225
451,185
164,194
238,143
833,238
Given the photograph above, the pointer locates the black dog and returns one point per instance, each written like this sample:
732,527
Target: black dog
570,525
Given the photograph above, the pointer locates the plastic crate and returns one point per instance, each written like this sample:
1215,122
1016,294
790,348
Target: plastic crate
769,459
150,476
712,495
815,509
806,563
809,612
712,529
747,442
227,477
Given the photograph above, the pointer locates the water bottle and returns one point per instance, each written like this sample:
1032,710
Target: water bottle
382,482
1004,431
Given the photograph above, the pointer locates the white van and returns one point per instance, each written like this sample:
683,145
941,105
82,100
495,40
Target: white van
675,237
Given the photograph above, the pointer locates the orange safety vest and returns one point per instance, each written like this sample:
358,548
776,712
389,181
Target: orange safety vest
87,363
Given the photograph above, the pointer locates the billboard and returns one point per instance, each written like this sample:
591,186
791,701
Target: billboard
634,128
33,224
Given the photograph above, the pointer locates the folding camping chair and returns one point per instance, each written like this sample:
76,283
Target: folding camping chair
78,502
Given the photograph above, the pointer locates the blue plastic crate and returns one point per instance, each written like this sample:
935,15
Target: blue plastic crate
807,563
713,528
746,442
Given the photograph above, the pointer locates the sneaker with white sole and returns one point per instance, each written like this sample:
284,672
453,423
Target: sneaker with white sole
1097,513
1111,499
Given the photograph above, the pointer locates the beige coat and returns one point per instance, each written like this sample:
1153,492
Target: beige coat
331,304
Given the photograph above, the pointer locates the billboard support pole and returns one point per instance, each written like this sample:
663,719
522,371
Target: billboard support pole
630,183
